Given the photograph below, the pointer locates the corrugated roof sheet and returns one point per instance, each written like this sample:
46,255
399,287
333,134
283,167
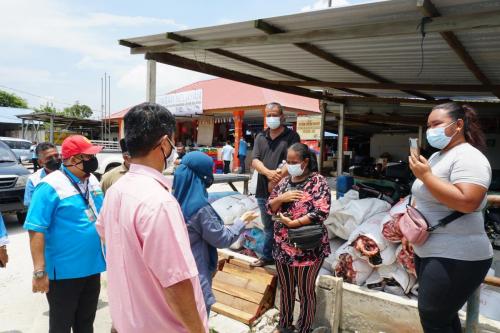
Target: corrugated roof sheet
395,58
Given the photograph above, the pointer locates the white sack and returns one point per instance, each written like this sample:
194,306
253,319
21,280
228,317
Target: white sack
398,273
362,269
347,213
232,207
335,244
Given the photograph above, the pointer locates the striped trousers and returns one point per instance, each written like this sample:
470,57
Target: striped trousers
304,279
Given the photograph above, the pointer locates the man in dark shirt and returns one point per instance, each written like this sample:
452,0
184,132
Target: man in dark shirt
270,150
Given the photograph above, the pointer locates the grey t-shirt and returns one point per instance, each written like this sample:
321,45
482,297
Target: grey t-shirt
464,238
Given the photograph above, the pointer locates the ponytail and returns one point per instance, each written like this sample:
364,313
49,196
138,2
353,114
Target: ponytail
304,152
472,128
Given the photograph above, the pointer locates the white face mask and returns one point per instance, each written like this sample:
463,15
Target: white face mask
172,156
273,122
295,170
437,137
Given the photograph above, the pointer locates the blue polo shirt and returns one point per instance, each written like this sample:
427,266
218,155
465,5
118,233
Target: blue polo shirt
33,180
72,245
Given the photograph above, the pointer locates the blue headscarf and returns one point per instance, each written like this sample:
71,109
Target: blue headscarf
191,180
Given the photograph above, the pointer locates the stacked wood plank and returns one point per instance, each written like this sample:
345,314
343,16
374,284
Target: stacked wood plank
243,293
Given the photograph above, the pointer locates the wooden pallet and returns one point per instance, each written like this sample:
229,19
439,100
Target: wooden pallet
243,293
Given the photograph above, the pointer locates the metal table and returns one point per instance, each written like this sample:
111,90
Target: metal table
231,178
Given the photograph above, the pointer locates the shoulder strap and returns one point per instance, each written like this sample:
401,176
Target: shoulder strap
447,220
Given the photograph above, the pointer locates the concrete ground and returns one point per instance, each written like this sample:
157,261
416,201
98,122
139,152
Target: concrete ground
21,311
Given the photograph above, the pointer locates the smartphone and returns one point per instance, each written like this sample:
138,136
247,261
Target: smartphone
414,147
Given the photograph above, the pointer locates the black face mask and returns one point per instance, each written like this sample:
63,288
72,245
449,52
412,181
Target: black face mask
90,165
207,181
53,164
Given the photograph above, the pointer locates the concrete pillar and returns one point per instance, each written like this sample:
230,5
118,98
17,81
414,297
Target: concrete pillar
151,81
329,305
51,135
340,144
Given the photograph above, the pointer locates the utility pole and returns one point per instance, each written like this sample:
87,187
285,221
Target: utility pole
329,3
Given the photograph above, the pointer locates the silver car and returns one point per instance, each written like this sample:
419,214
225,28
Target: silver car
20,147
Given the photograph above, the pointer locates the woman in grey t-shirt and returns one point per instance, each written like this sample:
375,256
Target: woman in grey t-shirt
454,260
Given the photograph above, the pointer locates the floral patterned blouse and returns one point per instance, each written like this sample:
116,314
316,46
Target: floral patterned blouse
316,204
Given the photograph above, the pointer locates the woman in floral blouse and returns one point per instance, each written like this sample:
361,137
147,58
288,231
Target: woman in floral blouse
302,198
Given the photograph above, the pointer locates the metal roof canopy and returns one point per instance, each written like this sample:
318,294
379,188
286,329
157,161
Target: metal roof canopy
371,51
61,120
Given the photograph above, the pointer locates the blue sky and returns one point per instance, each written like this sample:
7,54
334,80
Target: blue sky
60,49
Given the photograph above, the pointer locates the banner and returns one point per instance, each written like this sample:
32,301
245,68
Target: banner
309,127
185,103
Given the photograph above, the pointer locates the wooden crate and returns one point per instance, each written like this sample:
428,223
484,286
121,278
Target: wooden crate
243,293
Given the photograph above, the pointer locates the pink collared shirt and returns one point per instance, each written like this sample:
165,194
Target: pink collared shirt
147,250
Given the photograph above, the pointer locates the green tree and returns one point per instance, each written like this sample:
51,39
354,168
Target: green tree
11,100
47,109
78,111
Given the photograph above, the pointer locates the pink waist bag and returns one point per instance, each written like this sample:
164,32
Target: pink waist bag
416,229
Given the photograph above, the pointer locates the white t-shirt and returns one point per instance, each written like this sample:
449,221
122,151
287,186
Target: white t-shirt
464,238
227,153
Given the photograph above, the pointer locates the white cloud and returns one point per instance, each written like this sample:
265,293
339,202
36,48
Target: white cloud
23,74
50,23
322,4
168,78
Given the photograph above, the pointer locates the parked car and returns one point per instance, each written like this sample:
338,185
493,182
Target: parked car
110,157
20,147
13,178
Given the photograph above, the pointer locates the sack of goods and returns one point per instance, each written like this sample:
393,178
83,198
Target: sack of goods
347,213
231,207
350,267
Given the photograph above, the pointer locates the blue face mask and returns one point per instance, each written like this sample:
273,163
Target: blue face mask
273,122
437,137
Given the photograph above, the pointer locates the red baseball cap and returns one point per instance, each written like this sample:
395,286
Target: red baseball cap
78,144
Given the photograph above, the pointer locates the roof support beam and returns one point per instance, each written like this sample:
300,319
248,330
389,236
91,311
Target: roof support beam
427,8
313,49
392,86
484,20
235,56
175,60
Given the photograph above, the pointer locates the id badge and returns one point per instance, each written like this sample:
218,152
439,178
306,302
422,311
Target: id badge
90,215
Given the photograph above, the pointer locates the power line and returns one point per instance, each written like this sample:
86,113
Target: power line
42,97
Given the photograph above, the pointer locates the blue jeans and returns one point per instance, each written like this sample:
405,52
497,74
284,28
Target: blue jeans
268,229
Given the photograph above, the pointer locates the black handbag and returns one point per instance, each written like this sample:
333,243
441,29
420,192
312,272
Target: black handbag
306,237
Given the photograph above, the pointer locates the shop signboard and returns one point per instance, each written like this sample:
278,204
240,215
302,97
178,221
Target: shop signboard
309,127
187,103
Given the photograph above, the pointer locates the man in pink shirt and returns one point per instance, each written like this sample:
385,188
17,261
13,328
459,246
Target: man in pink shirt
153,283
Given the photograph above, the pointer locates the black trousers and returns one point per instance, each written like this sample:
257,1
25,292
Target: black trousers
227,165
73,304
303,278
444,287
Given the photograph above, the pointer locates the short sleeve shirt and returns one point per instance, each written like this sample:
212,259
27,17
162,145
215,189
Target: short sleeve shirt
72,245
147,250
33,180
464,238
271,153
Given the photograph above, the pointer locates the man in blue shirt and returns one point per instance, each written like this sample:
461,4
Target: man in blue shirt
65,247
242,153
49,160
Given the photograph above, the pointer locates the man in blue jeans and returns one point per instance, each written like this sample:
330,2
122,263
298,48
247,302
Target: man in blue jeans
270,149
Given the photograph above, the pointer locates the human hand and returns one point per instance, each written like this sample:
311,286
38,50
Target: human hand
41,285
273,176
286,221
419,166
291,196
4,257
249,216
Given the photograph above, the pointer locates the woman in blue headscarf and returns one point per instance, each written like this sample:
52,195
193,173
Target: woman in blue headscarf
206,229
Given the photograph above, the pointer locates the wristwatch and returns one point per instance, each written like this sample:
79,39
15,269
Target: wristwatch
39,274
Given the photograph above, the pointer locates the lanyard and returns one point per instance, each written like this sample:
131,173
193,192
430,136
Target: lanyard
86,196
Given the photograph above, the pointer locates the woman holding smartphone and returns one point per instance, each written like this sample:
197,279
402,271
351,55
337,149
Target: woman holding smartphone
454,260
300,200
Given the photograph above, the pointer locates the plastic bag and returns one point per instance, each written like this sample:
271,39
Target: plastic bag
253,239
370,245
347,213
231,207
335,244
349,267
397,272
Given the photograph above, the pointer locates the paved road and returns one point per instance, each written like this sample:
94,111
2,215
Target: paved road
21,311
